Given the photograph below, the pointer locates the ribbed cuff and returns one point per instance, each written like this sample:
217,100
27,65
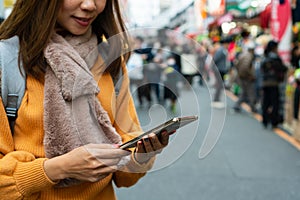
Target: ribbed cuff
31,178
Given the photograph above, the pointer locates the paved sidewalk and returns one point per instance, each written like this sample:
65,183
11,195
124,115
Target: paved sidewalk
281,131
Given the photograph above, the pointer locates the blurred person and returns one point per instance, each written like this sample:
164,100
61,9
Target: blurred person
208,65
158,55
273,73
140,57
136,75
153,72
201,58
246,78
296,103
43,156
141,47
222,65
258,79
176,52
189,65
171,78
295,57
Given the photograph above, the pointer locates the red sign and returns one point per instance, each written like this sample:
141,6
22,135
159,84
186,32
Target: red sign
280,16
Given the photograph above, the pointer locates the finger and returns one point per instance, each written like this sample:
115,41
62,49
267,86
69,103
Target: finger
141,155
140,147
156,144
107,162
102,146
108,153
110,169
164,139
147,145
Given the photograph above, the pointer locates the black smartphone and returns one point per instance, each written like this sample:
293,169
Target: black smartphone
169,126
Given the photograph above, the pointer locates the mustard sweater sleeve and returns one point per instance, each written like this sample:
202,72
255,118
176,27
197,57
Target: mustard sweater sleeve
21,175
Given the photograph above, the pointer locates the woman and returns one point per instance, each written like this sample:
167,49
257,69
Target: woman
64,143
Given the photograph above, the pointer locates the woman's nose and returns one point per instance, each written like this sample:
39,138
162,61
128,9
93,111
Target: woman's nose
88,5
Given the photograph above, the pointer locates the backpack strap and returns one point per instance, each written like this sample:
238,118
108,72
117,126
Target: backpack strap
12,80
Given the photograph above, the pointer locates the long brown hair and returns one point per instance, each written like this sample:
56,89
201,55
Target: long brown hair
34,21
110,24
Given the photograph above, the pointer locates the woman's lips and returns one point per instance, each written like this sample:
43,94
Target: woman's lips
83,21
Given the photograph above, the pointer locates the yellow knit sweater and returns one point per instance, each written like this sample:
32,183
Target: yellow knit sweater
22,156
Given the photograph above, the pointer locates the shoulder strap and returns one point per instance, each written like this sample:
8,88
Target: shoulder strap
12,81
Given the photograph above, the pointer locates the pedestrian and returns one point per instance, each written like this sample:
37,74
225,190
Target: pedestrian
153,72
273,73
143,88
296,103
222,65
295,57
201,58
65,140
221,57
136,75
170,83
135,66
246,78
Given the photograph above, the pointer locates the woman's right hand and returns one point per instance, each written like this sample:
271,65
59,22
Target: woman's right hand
87,163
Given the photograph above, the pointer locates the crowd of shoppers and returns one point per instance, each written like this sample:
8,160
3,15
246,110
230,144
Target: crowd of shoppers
154,75
253,71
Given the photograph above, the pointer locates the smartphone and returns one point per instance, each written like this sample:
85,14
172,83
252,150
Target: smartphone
169,126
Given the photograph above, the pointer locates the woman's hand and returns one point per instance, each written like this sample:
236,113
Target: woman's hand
87,163
151,145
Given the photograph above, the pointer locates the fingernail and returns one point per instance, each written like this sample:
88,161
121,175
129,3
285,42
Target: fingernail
115,145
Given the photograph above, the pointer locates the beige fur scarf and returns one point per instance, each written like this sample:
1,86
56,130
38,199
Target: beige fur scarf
73,116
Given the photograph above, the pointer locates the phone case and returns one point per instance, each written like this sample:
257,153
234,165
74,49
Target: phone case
169,126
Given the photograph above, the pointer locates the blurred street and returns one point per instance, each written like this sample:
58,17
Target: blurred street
248,162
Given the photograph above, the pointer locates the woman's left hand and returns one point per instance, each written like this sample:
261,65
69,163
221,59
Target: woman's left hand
151,145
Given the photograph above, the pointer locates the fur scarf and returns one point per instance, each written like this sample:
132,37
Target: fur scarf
73,116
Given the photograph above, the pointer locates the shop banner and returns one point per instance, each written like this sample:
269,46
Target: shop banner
281,27
280,17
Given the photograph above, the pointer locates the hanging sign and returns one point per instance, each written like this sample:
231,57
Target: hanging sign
280,17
